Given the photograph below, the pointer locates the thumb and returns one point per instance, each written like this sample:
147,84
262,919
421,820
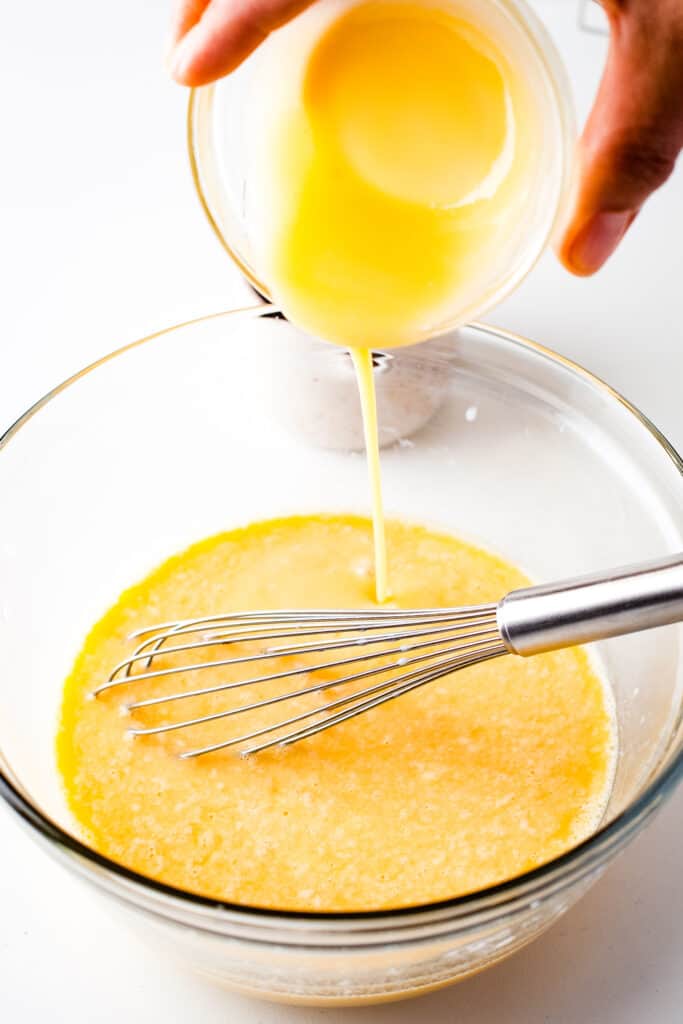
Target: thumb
634,133
217,35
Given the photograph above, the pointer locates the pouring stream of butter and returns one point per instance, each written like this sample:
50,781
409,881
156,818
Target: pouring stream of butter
362,361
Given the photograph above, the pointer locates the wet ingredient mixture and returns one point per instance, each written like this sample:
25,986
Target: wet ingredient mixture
463,783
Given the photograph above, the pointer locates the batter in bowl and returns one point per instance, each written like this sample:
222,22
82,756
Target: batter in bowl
456,786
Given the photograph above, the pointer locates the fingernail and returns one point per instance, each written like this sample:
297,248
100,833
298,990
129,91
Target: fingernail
179,58
598,239
169,49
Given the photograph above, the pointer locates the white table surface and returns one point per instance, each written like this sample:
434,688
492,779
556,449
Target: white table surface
102,241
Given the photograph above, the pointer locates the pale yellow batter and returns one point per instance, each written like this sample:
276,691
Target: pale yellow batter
464,783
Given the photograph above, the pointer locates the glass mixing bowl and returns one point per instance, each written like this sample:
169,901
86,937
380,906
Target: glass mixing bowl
198,429
225,130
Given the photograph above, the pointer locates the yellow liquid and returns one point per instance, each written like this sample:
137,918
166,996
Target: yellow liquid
395,176
391,180
362,360
463,783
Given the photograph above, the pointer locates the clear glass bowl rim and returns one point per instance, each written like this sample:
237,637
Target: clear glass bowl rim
555,874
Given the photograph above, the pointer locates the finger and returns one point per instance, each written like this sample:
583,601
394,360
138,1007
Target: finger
226,33
186,14
633,135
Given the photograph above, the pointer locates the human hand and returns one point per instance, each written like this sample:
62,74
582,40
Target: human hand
631,140
634,132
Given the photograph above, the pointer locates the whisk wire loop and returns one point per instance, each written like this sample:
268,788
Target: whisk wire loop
397,651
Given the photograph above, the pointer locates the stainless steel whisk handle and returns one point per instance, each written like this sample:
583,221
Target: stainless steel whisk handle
594,607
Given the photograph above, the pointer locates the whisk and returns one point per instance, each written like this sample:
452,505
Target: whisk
389,652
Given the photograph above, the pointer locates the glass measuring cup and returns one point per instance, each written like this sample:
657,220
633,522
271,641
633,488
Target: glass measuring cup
223,123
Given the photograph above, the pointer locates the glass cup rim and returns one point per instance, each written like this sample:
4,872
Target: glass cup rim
584,857
553,66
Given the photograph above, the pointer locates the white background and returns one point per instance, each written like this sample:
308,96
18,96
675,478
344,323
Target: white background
102,241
